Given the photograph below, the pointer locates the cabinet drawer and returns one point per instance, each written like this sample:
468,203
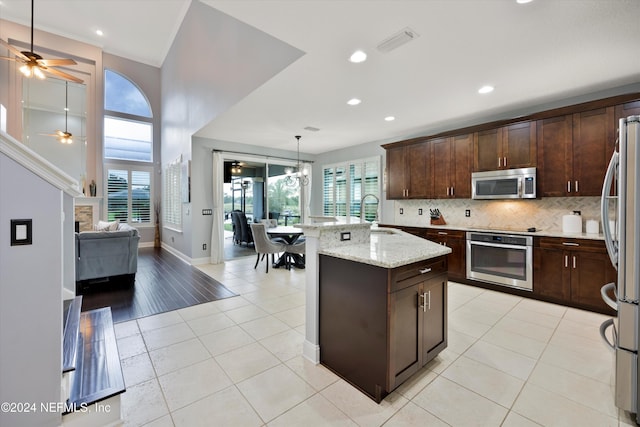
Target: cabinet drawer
584,245
411,274
434,234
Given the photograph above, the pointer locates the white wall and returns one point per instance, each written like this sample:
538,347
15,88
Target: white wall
214,62
30,296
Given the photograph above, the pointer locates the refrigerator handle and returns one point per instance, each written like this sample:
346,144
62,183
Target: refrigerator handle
603,334
604,209
604,292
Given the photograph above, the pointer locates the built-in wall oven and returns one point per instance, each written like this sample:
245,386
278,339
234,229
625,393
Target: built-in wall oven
502,259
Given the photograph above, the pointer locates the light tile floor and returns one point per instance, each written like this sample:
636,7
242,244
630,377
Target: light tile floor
237,362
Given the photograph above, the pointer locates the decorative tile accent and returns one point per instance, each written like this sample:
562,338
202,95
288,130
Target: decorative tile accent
84,214
544,214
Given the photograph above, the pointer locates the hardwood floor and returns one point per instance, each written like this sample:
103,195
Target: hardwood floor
163,283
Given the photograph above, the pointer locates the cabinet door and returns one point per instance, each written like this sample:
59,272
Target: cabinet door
441,167
395,173
625,110
519,145
418,163
487,147
589,272
434,310
593,143
458,257
555,157
461,165
405,352
551,274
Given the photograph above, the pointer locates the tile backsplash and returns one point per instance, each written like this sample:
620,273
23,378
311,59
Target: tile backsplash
544,214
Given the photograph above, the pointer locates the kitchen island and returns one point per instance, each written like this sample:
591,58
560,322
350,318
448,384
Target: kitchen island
381,307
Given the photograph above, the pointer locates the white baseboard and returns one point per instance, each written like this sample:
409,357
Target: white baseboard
145,245
200,261
311,351
177,253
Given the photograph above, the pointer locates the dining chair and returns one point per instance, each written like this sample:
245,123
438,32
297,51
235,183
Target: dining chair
264,245
299,247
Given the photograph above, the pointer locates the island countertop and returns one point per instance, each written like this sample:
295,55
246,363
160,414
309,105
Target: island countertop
388,248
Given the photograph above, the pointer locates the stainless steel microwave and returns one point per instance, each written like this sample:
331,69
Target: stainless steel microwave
504,184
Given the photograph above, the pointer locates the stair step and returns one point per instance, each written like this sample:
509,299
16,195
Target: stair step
98,375
71,325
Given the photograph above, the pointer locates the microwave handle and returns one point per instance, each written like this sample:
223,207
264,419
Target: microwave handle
520,187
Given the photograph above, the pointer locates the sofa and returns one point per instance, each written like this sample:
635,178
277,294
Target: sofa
108,255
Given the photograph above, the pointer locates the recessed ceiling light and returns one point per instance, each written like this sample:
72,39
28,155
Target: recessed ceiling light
354,101
358,56
523,1
485,89
99,32
389,118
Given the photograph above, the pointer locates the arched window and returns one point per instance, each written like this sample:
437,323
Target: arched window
128,137
128,127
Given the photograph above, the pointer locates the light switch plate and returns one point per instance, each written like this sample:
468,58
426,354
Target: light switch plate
21,232
345,235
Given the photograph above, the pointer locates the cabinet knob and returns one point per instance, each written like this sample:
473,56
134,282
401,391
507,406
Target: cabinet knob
499,162
504,163
451,191
568,186
574,262
566,261
577,186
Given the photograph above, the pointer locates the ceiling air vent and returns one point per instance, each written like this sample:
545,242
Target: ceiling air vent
311,129
398,39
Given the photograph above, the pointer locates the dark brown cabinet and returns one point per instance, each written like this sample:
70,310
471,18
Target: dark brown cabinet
572,271
409,171
507,147
379,326
456,240
453,161
574,151
622,111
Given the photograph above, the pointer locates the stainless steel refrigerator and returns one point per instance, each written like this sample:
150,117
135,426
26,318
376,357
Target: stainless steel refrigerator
620,212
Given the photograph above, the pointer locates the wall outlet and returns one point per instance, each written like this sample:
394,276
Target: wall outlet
345,235
467,213
204,246
420,211
401,211
207,211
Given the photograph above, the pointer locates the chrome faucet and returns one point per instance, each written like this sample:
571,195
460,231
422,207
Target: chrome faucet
375,219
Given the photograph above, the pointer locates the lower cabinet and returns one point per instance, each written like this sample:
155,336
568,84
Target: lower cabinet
457,241
572,271
379,326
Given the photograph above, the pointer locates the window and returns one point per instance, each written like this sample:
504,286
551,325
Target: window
172,196
344,185
129,195
128,127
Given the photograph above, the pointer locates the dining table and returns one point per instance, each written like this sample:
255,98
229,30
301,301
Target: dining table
290,235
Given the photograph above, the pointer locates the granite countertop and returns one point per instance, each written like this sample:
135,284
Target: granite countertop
540,233
389,248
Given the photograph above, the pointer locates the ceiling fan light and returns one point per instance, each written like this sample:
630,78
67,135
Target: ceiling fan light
38,73
26,71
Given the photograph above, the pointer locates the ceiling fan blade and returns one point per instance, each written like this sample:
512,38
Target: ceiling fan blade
13,50
63,75
56,62
7,58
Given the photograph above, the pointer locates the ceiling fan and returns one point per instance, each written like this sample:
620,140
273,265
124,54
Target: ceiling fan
34,64
65,137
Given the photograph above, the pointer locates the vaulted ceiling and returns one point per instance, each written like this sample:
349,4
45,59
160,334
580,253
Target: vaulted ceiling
533,54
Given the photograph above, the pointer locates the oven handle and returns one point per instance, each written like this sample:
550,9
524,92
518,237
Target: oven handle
499,245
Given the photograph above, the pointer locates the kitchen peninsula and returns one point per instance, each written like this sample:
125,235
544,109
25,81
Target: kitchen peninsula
376,303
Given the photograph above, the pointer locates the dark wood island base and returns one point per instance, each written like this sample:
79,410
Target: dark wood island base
378,326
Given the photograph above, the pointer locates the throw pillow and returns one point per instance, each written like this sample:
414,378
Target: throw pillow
106,226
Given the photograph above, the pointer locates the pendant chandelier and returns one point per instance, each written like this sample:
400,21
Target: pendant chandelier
296,176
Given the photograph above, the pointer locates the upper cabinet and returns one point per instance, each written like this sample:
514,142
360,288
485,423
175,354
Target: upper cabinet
574,151
507,147
409,171
570,146
453,160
